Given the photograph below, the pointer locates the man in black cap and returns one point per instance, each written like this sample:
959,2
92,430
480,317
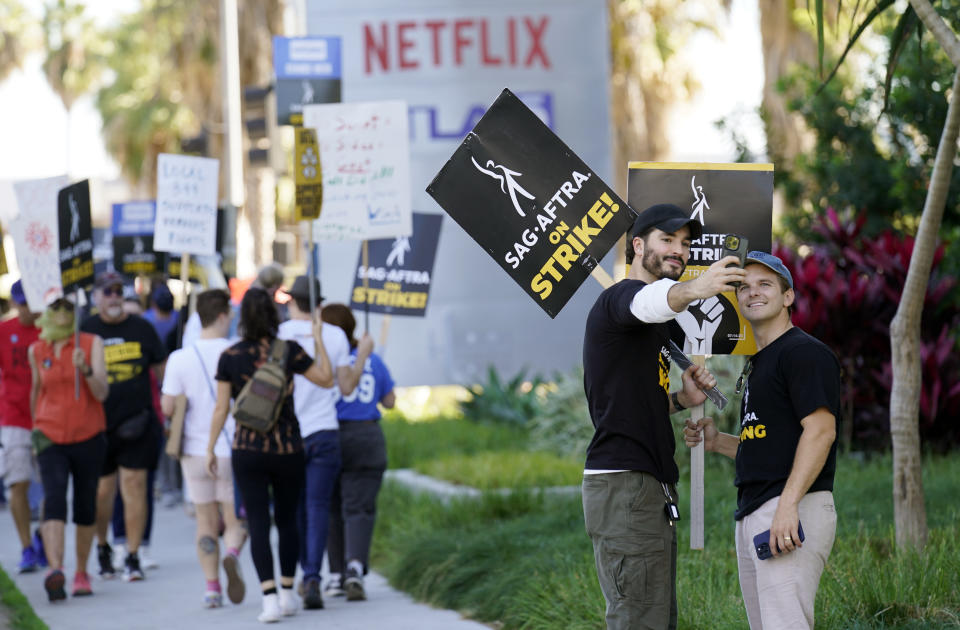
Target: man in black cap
629,492
131,349
316,411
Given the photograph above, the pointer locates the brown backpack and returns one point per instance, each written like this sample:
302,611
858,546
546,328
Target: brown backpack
257,406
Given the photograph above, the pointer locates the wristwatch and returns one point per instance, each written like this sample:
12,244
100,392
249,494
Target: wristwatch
676,402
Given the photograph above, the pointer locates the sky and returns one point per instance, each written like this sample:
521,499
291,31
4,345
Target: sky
36,143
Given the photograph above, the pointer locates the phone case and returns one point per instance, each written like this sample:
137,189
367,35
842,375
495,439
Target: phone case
762,542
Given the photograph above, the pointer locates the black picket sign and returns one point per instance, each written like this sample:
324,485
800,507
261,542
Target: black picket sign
76,236
530,202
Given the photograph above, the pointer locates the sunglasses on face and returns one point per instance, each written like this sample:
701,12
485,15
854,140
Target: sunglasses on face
61,305
113,291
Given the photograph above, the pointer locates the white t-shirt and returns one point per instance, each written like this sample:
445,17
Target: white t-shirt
185,375
316,407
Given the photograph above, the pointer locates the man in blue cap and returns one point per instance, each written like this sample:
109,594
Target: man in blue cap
629,483
785,453
19,464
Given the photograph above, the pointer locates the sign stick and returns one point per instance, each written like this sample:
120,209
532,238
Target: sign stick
76,344
311,279
185,282
696,475
366,288
600,275
384,331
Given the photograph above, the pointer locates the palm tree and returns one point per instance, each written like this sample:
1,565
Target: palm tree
17,36
74,55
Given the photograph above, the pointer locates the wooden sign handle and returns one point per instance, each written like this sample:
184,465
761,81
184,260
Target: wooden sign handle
696,475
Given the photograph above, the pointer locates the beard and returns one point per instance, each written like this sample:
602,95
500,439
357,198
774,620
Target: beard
657,265
113,311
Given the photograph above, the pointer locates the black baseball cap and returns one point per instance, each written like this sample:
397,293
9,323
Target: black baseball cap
666,217
301,288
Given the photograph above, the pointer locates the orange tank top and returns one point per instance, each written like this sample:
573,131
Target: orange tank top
58,414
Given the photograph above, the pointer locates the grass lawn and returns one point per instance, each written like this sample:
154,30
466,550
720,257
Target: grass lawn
17,610
524,560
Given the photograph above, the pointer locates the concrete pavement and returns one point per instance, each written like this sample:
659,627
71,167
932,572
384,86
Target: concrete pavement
171,596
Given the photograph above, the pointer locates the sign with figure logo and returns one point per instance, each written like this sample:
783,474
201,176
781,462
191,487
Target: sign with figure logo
365,152
186,218
399,270
308,71
76,237
34,233
530,202
132,227
308,175
726,199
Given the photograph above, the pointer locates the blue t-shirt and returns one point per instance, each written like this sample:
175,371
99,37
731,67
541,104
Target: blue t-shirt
375,383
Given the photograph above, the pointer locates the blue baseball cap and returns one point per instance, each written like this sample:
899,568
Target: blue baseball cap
17,294
771,262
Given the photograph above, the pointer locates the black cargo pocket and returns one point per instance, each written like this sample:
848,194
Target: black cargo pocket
638,568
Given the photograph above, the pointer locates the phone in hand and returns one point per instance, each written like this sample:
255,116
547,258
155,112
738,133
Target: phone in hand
762,542
734,245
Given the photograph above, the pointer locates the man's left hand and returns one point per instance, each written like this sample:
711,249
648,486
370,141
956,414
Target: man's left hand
696,378
785,529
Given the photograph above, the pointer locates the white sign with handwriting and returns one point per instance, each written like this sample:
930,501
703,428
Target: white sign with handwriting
365,154
186,220
36,241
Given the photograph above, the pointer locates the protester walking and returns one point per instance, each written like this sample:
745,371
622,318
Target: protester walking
363,451
19,464
190,373
68,437
267,460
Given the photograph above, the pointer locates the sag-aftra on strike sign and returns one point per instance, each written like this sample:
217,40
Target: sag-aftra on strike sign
530,202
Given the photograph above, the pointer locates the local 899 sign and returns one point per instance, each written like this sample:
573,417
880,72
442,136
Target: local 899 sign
530,202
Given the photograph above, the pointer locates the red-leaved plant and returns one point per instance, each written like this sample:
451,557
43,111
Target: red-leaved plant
848,288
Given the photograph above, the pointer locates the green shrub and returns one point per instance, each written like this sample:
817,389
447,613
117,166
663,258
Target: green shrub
563,424
512,403
412,442
508,469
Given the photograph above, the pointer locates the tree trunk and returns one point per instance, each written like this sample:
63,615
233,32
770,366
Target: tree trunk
909,512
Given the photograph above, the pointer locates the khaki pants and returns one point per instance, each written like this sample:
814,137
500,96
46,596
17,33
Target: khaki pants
635,549
779,592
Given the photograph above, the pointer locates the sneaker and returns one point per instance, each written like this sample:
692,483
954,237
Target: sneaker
353,585
334,586
146,560
119,555
236,588
28,560
81,584
212,599
311,595
289,604
271,609
41,554
131,570
53,584
105,557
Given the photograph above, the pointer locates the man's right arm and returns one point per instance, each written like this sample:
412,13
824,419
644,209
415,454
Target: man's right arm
716,279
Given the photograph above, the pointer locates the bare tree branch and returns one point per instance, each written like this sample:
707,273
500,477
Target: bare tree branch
933,21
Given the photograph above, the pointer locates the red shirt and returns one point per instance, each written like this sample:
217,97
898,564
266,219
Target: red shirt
15,375
61,417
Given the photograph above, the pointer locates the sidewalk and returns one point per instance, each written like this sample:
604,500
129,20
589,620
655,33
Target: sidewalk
171,595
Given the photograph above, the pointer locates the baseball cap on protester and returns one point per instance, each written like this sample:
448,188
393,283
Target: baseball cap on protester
663,216
162,297
301,288
17,294
771,262
108,279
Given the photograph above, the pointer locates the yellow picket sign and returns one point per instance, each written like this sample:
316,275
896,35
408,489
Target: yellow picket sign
308,176
3,256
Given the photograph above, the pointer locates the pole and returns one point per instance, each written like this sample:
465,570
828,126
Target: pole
233,130
312,279
76,344
366,288
384,331
696,475
185,283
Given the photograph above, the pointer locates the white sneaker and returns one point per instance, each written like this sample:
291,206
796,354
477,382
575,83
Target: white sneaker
212,599
289,603
271,609
119,555
146,560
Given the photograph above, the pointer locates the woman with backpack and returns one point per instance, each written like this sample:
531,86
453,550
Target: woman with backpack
267,450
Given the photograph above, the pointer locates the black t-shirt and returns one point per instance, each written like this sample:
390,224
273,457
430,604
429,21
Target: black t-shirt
237,364
790,379
626,377
130,347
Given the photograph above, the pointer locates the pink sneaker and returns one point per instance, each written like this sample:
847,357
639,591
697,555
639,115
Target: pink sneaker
81,584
